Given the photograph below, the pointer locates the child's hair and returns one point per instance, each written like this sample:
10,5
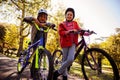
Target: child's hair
72,10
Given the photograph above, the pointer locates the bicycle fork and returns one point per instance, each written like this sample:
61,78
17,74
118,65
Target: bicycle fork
97,66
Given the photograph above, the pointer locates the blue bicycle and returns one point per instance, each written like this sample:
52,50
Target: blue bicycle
43,61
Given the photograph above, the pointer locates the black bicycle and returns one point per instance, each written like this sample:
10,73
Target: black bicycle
96,64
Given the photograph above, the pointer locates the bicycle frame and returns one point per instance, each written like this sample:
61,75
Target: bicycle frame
29,58
82,45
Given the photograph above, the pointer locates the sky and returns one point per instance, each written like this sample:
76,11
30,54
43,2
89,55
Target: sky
102,16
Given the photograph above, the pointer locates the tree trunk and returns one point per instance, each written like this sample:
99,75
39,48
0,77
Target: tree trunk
20,46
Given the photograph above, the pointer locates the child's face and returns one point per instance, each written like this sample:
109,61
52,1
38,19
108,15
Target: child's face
42,18
69,16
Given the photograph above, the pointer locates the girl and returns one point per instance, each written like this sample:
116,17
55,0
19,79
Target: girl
68,42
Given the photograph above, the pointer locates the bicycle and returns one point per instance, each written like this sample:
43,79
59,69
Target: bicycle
96,64
43,61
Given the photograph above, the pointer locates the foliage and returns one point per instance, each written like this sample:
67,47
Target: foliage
25,43
11,37
112,46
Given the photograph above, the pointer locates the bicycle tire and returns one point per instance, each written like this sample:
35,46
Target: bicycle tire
21,61
57,59
23,72
106,72
45,70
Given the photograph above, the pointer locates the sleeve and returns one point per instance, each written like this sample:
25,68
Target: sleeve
77,26
28,19
61,29
50,25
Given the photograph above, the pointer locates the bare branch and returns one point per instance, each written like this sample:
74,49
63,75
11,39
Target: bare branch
16,4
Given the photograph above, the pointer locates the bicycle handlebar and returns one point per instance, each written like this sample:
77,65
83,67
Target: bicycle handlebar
83,31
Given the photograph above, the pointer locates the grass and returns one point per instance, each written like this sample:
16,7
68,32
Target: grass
75,70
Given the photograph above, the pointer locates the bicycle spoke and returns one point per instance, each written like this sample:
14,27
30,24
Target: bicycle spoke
45,66
57,56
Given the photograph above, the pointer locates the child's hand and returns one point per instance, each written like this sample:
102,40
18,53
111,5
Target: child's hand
51,25
72,31
75,30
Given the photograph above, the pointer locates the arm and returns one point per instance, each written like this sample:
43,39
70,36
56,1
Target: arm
62,31
30,20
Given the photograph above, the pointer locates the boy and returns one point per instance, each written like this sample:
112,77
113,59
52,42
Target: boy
41,21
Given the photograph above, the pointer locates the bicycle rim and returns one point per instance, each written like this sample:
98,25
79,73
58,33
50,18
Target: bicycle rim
104,68
45,66
57,59
25,74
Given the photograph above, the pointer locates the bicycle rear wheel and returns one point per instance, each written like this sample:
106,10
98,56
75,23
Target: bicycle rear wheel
104,68
57,59
45,66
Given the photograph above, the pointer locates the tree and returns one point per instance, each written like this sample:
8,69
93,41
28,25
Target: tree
112,46
2,36
26,8
117,30
11,37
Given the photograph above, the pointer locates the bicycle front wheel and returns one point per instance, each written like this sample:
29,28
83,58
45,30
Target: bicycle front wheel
57,59
45,65
21,62
98,65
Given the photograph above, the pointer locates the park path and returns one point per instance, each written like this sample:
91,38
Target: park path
8,67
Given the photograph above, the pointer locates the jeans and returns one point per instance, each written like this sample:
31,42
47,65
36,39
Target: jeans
68,58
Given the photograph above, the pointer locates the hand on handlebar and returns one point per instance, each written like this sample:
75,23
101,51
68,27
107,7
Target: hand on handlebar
82,32
87,32
51,25
72,31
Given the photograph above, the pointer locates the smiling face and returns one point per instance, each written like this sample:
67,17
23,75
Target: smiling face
69,16
42,18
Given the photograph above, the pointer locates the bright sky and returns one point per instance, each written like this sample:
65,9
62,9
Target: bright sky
102,16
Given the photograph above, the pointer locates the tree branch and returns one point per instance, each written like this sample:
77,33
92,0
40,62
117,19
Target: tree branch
16,4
